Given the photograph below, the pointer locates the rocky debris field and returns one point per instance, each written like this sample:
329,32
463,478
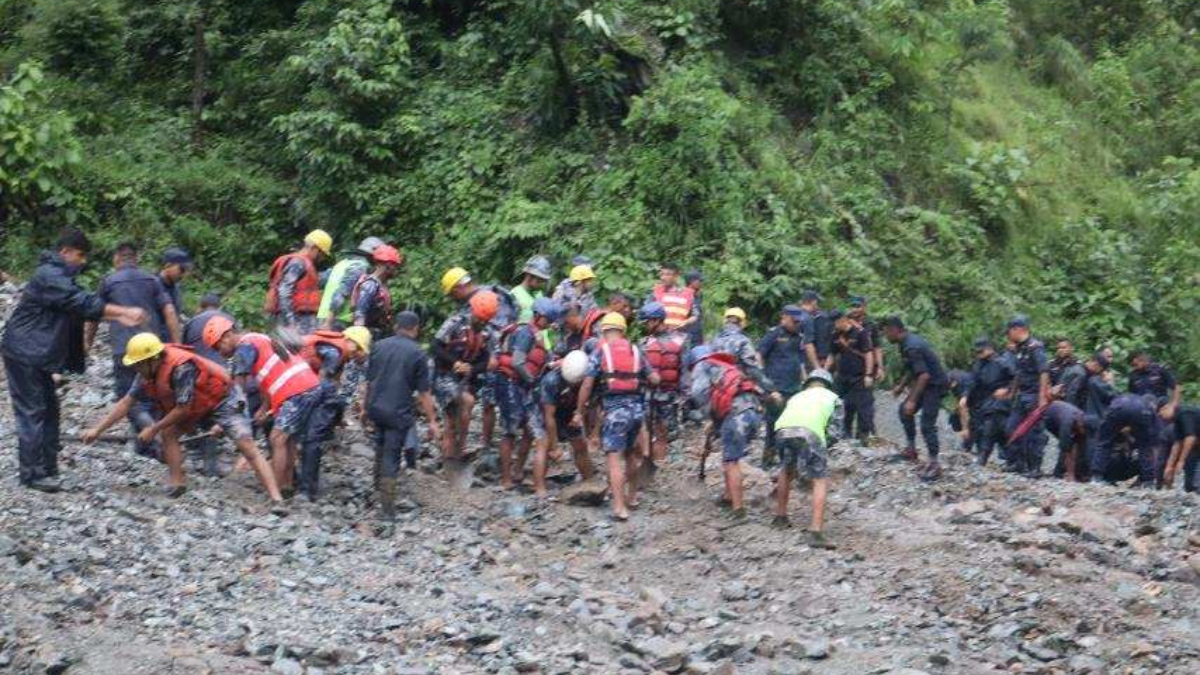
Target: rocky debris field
981,572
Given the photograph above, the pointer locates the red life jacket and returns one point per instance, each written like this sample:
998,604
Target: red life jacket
385,297
665,354
535,358
589,322
323,337
212,382
620,365
731,384
280,379
677,302
307,296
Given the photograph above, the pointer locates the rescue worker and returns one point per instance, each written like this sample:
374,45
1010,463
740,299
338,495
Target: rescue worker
679,302
176,264
370,298
957,383
1066,423
290,390
1066,372
339,359
733,340
335,307
1149,378
1031,390
294,287
781,351
858,306
854,367
730,397
558,394
664,347
189,391
1136,414
460,354
576,289
986,400
817,330
1094,397
44,337
694,280
193,330
1184,458
398,373
534,275
520,360
135,287
624,371
811,423
925,383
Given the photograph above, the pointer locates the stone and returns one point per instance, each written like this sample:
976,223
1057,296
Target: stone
1084,664
733,591
814,648
586,493
663,653
286,666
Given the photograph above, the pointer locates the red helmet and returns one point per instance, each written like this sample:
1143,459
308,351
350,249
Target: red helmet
387,254
484,305
215,329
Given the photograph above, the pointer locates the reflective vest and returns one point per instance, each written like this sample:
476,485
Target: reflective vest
665,355
678,302
620,365
810,409
729,386
212,382
280,379
524,300
323,337
535,359
307,296
382,316
350,266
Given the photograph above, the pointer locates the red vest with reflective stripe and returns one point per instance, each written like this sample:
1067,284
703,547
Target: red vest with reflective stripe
665,355
678,303
385,297
535,359
732,383
212,382
307,296
620,364
323,337
279,379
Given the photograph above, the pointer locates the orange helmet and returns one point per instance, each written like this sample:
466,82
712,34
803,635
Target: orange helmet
215,329
387,254
484,305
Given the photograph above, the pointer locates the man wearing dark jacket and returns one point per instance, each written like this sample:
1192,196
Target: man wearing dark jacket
44,329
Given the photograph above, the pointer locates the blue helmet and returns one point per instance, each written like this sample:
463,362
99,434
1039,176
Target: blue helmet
698,354
651,311
548,308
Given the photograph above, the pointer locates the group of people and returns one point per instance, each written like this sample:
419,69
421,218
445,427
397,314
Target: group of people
551,365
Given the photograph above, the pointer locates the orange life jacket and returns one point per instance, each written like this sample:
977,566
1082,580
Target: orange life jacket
212,382
384,319
535,358
665,355
589,323
620,365
731,384
307,296
323,337
677,302
280,379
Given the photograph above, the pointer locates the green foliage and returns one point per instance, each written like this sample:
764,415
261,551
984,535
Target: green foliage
81,38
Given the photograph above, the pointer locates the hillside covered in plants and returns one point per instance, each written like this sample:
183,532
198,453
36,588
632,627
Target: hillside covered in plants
954,160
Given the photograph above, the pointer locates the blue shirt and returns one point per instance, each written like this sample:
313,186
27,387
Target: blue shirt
783,358
132,286
1154,380
919,358
1030,362
193,334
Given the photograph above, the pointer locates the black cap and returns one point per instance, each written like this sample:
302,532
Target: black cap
858,300
176,256
809,296
1100,358
1019,321
210,300
981,342
693,275
893,322
407,320
836,314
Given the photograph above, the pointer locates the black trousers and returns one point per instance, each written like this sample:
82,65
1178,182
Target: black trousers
389,448
927,409
35,407
325,415
859,406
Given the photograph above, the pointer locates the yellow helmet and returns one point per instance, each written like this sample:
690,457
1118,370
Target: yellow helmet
141,347
612,320
453,277
360,336
582,273
320,239
736,313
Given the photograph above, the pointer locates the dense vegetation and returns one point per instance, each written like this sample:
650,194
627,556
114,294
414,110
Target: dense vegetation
954,160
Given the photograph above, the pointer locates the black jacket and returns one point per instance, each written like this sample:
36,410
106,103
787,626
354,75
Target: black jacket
46,328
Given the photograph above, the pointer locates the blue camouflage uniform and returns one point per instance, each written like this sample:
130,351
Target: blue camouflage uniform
624,413
740,425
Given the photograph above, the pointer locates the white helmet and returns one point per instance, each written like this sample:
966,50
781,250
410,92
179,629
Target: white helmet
574,366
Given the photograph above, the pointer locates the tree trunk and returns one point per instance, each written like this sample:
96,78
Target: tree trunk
564,75
199,73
